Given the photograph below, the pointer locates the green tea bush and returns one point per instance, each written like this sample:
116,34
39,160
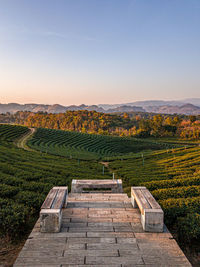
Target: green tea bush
11,132
153,185
31,199
189,227
78,145
7,191
26,178
13,218
174,208
37,186
177,192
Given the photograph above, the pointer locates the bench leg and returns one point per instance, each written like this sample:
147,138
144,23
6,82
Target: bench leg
134,203
152,220
117,188
50,220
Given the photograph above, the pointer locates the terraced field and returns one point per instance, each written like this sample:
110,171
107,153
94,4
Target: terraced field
88,146
11,132
173,177
26,177
170,171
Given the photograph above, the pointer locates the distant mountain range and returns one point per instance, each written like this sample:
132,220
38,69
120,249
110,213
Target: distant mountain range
187,106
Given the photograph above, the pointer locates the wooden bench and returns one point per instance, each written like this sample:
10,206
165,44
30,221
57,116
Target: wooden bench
80,186
152,215
51,210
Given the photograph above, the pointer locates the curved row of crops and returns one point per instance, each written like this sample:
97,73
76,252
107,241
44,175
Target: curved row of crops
26,178
11,132
86,146
173,177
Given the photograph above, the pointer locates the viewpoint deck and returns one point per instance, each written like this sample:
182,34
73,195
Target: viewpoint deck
100,229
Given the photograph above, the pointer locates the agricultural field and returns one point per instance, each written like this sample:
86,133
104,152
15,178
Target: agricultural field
11,132
169,169
173,177
26,178
88,146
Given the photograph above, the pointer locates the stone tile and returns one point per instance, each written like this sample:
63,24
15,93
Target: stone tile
122,240
75,246
110,234
33,265
99,253
123,229
114,260
90,240
101,246
43,253
74,225
86,265
92,229
50,260
99,219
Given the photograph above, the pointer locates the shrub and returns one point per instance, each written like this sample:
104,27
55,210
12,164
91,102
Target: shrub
189,227
172,183
13,218
7,191
179,207
30,199
177,192
37,187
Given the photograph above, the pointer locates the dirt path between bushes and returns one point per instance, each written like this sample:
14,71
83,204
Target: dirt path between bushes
22,141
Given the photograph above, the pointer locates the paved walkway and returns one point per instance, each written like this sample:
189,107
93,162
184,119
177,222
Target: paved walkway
100,230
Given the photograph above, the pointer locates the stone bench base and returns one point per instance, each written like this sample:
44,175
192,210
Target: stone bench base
50,220
152,216
51,210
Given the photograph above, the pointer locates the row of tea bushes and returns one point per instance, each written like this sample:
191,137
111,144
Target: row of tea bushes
173,177
26,178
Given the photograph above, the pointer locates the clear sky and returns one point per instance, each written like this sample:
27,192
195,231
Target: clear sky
98,51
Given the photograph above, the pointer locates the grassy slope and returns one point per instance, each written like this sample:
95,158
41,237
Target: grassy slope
88,146
25,179
36,172
178,163
173,177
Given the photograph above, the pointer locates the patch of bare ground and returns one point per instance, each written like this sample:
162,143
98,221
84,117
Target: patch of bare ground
193,255
105,163
9,251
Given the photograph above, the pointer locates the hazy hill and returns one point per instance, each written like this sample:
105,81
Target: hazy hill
187,109
126,108
187,106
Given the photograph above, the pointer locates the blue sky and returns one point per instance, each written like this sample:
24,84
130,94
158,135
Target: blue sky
99,51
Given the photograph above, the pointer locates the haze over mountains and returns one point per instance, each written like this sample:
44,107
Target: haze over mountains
187,106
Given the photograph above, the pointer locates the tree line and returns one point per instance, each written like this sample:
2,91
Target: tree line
122,124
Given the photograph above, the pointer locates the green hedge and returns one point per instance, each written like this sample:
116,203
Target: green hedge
174,208
177,192
30,199
7,191
13,218
172,183
189,227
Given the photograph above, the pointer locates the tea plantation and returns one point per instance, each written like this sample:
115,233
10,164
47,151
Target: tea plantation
173,177
170,171
26,178
87,146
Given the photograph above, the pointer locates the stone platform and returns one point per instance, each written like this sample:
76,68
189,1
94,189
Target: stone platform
100,230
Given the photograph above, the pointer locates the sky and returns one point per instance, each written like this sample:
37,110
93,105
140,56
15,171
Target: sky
99,51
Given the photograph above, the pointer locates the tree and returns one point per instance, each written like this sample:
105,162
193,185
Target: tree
192,118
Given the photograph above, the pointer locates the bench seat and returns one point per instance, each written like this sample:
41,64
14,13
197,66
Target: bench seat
114,186
51,210
152,215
